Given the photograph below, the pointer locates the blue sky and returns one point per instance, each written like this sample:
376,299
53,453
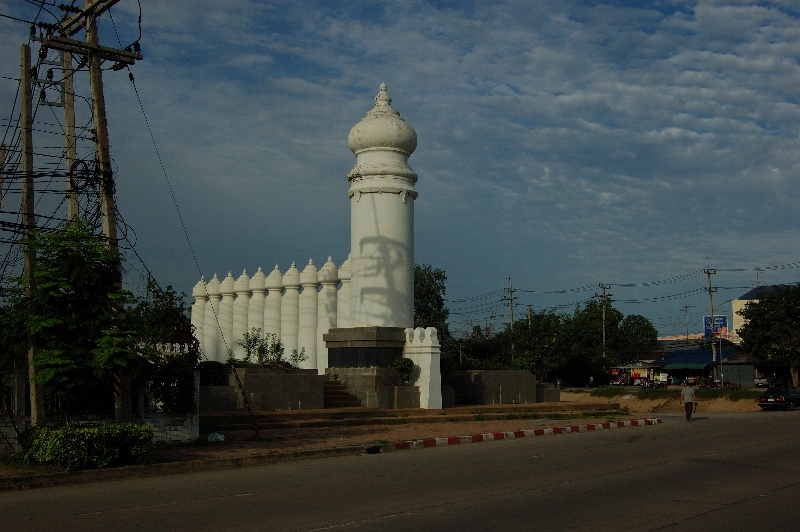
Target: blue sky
561,144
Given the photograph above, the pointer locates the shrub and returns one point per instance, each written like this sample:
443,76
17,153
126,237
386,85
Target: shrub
87,447
404,368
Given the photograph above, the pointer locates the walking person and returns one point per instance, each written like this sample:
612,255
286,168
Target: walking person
689,399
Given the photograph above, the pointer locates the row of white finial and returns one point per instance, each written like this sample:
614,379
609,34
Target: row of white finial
310,276
224,310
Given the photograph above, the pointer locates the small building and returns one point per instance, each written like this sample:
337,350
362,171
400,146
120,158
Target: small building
690,365
634,373
737,305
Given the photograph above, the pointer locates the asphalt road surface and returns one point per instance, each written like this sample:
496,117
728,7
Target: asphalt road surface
719,472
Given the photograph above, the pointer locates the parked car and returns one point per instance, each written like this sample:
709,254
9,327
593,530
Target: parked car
785,397
766,379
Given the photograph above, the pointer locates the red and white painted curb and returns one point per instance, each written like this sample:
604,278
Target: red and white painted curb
494,436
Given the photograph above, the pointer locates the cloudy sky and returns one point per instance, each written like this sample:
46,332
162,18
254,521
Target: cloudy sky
561,144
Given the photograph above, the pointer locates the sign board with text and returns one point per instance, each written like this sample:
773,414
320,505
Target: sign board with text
719,330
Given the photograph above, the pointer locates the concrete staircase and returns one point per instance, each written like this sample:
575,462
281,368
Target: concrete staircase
338,396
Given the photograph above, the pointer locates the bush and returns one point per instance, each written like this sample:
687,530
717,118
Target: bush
87,447
404,368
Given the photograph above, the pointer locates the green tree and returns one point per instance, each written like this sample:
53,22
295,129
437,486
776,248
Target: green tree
772,327
584,337
429,291
74,314
637,337
538,343
162,317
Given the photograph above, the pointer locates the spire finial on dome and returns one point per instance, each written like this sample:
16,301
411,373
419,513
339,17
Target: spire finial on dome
383,97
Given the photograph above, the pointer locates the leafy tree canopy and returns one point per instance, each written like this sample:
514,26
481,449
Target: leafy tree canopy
429,306
772,327
568,347
638,337
73,313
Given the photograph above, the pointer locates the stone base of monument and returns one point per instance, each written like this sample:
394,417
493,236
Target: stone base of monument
364,347
267,389
493,387
376,387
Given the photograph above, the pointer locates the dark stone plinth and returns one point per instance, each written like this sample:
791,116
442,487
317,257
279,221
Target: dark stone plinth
364,347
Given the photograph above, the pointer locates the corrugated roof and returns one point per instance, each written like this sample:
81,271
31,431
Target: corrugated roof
692,356
758,290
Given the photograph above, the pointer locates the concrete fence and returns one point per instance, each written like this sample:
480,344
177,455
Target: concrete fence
297,307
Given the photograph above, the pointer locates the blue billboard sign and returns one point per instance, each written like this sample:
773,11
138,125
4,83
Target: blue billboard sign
720,329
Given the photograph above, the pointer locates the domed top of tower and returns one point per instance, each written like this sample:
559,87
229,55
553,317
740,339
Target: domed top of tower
382,127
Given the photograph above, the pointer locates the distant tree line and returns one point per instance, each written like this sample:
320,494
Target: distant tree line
552,345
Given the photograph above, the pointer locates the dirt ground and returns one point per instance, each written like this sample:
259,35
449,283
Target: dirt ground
648,406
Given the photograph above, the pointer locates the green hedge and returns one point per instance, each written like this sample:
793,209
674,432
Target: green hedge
87,447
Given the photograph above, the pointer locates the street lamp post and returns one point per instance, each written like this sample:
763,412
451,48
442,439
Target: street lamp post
721,372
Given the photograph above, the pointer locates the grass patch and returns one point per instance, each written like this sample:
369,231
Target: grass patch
480,417
724,393
605,413
513,416
659,393
737,395
608,391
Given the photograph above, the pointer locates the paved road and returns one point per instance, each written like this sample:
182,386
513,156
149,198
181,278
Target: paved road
719,472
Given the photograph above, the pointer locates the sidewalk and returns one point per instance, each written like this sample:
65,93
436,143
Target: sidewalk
306,435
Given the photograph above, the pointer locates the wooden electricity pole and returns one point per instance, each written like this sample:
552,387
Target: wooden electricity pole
29,221
71,156
604,300
96,54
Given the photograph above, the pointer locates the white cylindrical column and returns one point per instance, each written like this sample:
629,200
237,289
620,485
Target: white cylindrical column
272,308
307,323
211,322
343,296
326,318
199,311
290,309
226,314
255,312
382,197
240,307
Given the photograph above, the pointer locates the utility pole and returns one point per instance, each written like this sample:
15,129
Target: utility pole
123,407
603,298
29,222
2,171
686,310
71,157
510,298
91,49
709,272
67,101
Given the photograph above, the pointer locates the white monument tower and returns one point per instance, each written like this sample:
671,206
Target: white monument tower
382,198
